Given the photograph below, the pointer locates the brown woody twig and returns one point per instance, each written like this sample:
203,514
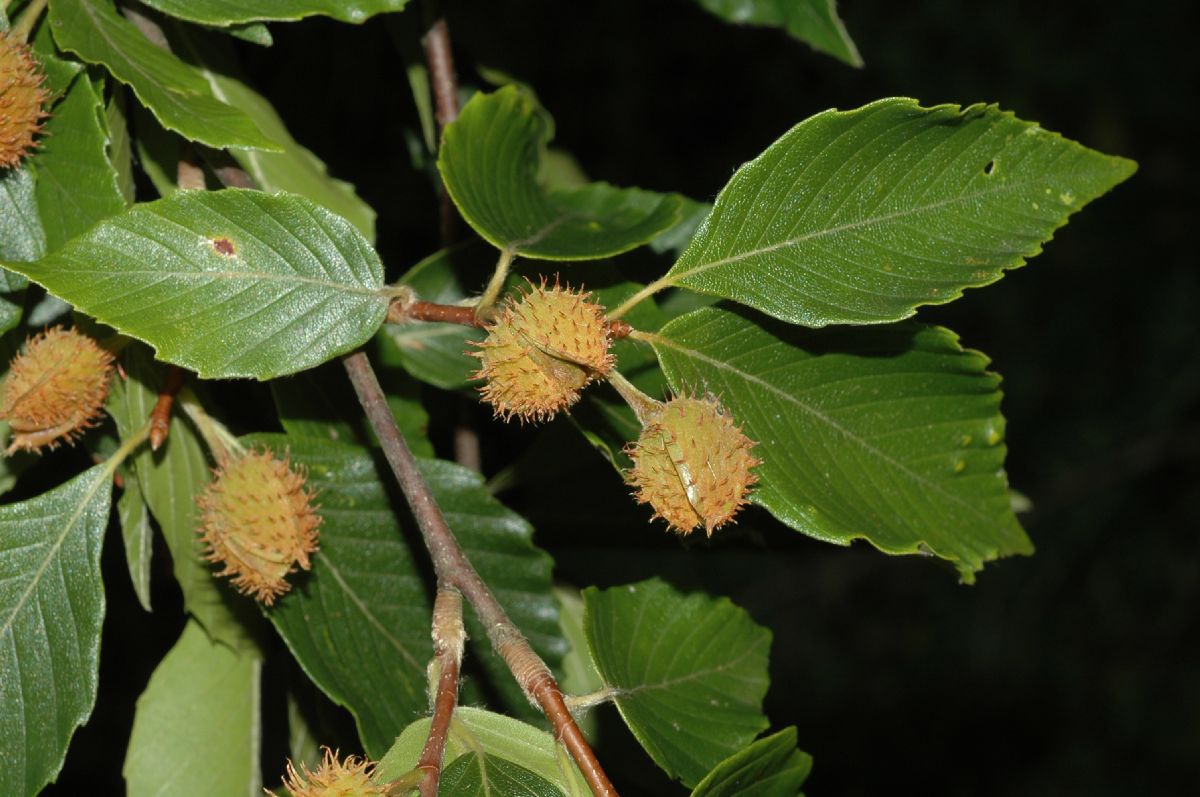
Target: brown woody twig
448,639
160,416
454,569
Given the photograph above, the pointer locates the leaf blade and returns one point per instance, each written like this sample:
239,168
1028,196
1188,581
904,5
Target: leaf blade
196,728
770,767
176,94
231,283
230,12
859,217
815,22
51,612
503,200
890,434
673,658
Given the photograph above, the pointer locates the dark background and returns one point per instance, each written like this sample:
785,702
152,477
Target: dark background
1075,671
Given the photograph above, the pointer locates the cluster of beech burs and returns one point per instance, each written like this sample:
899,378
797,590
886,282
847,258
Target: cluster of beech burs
692,464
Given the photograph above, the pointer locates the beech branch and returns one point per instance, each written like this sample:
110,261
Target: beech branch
455,570
448,639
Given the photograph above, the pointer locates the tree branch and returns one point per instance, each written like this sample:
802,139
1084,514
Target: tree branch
448,639
454,569
440,61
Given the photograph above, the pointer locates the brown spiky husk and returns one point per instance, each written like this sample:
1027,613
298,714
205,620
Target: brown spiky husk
541,351
258,520
55,389
22,95
692,465
333,778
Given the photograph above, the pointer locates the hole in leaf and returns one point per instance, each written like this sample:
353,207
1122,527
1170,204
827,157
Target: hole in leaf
990,169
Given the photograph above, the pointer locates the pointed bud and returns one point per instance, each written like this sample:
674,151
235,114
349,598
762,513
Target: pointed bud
22,96
692,464
258,520
349,778
55,389
541,351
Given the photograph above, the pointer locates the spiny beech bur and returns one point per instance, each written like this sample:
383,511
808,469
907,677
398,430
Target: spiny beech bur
22,95
55,389
541,351
692,465
333,778
258,520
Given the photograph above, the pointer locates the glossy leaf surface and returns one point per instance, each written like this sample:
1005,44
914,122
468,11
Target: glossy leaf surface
770,767
173,91
680,662
814,22
225,283
862,216
489,160
890,434
230,12
488,734
359,623
196,728
51,611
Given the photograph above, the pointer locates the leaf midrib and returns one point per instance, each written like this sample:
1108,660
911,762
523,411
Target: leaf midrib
101,476
262,276
676,277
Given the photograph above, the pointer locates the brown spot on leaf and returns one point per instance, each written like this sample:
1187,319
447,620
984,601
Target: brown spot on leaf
223,246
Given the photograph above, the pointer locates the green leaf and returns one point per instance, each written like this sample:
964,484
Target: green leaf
120,146
486,734
51,611
489,160
861,216
170,481
225,283
294,168
173,91
770,767
473,775
366,594
890,434
229,12
196,729
77,186
814,22
138,538
21,235
689,671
